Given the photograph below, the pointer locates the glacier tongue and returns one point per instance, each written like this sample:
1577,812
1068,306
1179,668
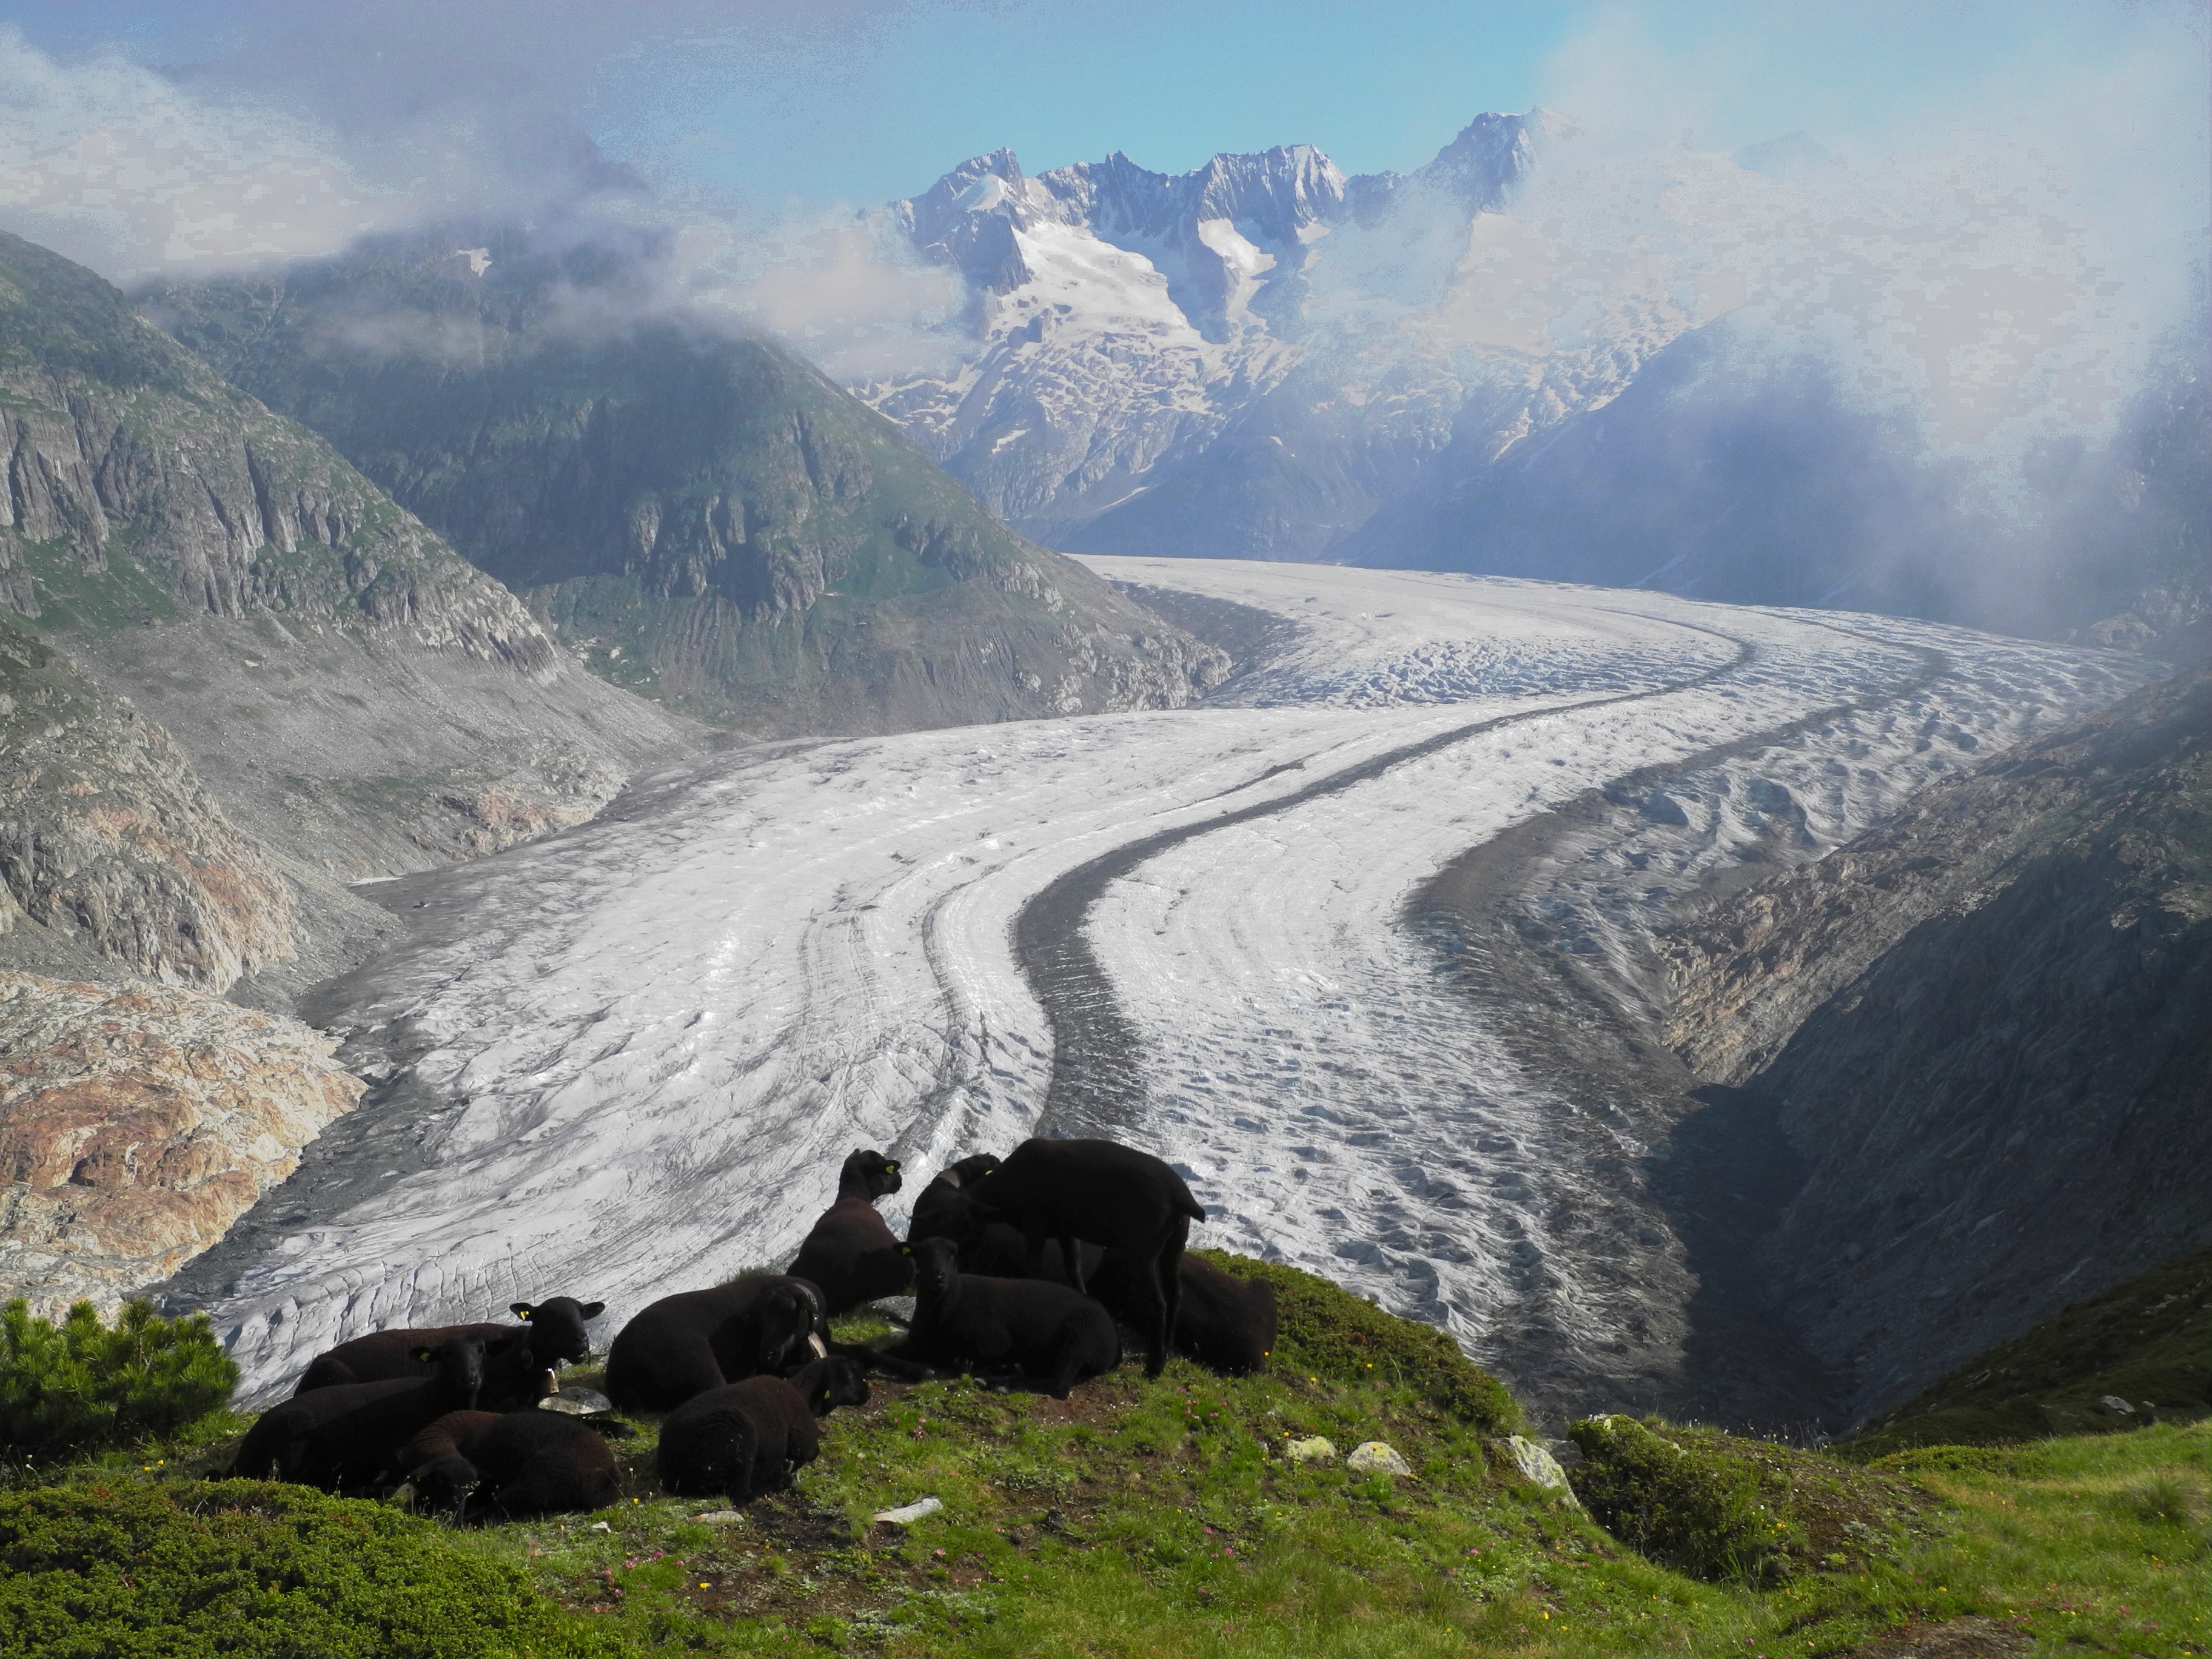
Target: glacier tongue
636,1053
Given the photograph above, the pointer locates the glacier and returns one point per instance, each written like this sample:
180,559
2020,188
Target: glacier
627,1060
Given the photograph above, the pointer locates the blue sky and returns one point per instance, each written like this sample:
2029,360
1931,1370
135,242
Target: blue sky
825,100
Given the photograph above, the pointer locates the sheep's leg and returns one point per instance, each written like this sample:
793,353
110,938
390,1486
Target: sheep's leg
743,1457
1169,1271
1066,1365
1071,1257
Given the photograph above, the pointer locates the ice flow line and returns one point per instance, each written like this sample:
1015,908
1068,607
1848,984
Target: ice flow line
1097,1087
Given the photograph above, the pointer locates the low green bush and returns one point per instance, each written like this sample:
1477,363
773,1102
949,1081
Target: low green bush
1328,1332
243,1568
1697,1511
82,1386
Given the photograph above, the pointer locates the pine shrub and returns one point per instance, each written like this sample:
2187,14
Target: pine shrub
82,1386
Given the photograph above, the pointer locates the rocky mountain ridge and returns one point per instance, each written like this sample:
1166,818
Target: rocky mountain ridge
1627,378
705,517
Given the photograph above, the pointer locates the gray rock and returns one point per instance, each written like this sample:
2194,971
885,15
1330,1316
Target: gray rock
1373,1457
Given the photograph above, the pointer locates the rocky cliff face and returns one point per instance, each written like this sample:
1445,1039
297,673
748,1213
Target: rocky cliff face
136,1124
360,699
109,842
1983,1027
705,517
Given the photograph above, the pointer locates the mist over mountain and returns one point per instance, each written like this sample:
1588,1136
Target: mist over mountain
1762,376
706,518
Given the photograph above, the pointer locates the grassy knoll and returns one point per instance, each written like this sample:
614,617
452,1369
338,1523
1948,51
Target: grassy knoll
2146,1343
1164,1519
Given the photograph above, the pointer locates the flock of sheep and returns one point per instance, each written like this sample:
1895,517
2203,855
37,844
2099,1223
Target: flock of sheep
1022,1274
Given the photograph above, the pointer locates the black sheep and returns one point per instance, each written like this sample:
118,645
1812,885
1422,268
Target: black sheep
1225,1323
1111,1194
342,1438
851,1253
554,1329
1004,1328
750,1438
946,1207
511,1463
686,1344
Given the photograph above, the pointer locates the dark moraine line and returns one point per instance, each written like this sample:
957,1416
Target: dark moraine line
1097,1087
1720,1170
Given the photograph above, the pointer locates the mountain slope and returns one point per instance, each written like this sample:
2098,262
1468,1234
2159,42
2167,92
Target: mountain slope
706,517
1982,1027
358,699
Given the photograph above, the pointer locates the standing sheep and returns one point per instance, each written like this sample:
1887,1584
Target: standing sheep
1111,1194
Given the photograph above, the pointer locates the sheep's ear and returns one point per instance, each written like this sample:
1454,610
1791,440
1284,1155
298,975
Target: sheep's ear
906,1249
520,1309
594,1309
423,1356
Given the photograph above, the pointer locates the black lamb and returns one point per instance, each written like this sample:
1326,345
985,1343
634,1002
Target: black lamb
511,1463
1004,1329
851,1253
750,1438
553,1329
341,1438
1225,1323
1111,1194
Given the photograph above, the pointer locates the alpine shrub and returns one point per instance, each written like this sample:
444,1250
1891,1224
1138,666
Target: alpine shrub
81,1386
258,1572
1694,1510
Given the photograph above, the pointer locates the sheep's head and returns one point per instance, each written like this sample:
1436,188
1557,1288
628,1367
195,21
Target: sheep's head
458,1362
873,1172
936,1264
556,1327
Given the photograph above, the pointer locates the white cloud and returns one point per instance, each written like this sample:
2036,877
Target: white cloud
113,165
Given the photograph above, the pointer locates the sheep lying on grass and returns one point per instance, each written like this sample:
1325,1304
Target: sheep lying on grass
750,1438
502,1464
1006,1329
686,1344
552,1332
341,1438
851,1253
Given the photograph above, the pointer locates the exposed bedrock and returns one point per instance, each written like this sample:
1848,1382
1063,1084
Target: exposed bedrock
136,1123
1983,1027
111,849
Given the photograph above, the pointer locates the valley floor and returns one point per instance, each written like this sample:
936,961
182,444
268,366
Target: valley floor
627,1058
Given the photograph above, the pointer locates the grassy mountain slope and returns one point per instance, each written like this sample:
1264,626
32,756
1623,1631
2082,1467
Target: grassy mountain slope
1143,1519
2146,1343
705,517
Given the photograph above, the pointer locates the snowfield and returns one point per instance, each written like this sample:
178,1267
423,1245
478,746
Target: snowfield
634,1053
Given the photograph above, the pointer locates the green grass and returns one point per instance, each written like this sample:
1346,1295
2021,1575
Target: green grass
1161,1518
2147,1342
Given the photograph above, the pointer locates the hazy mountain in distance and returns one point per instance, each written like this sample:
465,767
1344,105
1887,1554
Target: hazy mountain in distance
708,519
1731,376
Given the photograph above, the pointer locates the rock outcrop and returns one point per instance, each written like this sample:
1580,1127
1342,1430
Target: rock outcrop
1983,1027
708,519
109,841
136,1123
